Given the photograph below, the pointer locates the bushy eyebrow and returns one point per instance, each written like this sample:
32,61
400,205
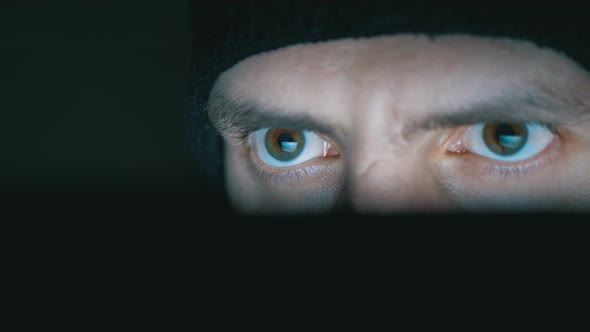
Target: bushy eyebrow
515,106
235,117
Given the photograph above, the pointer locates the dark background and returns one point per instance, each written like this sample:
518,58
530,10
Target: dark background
95,96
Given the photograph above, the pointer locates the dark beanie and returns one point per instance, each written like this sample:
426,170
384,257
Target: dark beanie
226,32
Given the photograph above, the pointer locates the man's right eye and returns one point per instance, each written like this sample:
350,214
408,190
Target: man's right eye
506,148
507,142
285,147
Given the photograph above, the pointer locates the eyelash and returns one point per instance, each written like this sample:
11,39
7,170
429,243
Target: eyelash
503,170
517,169
284,175
508,172
281,175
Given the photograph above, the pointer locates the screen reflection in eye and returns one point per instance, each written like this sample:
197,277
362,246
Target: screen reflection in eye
506,149
284,147
506,142
405,122
509,146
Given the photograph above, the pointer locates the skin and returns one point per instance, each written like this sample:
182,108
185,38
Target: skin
371,91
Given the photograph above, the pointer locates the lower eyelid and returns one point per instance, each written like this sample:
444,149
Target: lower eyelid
474,165
511,171
288,175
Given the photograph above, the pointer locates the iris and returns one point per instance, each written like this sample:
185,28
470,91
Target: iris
505,138
284,144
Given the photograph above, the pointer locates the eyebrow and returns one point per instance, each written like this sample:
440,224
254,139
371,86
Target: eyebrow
235,117
516,106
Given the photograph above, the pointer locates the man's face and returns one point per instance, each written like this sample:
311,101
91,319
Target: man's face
405,123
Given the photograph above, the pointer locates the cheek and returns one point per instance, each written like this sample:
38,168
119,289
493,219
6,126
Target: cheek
249,195
563,184
241,189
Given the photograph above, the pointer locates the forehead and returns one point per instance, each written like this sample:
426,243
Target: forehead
398,69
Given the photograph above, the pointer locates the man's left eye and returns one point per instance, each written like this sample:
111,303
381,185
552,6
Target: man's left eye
283,147
507,141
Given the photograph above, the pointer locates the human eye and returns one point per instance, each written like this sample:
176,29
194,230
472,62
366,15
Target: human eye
504,148
278,147
506,141
288,155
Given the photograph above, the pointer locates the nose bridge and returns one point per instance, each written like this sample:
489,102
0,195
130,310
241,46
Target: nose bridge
380,182
377,178
380,173
394,179
386,170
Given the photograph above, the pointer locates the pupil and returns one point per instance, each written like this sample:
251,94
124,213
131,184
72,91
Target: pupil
505,130
284,144
285,137
505,139
287,142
